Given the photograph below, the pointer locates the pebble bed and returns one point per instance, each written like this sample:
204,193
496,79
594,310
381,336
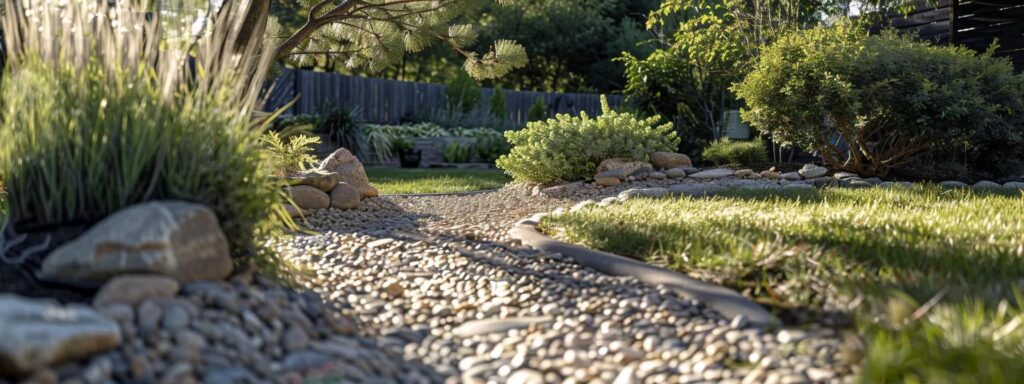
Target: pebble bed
436,280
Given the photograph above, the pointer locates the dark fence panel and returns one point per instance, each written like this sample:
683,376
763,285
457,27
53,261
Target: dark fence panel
392,101
972,23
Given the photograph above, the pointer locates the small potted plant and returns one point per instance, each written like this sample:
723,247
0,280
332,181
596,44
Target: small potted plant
408,155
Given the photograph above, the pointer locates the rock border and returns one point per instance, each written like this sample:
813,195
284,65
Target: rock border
721,299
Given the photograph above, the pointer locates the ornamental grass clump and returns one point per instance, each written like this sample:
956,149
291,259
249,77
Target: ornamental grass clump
568,148
105,106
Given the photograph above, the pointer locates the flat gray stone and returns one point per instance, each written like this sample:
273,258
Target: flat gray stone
953,184
643,192
135,288
487,326
844,175
675,173
712,174
792,176
810,171
1014,185
35,334
985,184
173,238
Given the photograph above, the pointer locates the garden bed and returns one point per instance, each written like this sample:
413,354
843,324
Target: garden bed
918,270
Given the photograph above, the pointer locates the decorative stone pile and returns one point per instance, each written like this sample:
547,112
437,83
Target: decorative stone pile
612,172
339,182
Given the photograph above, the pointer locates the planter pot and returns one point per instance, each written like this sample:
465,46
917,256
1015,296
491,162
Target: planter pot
410,158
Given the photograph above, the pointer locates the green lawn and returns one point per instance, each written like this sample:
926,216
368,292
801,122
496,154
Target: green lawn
437,180
929,276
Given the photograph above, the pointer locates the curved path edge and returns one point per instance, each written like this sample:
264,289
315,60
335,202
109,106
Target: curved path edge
723,300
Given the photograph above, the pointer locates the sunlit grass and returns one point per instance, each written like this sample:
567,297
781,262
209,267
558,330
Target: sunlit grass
443,180
878,255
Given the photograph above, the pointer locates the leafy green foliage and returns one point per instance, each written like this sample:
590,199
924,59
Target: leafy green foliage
342,129
497,107
490,145
879,254
458,152
463,93
538,110
442,180
402,144
288,155
726,151
569,148
102,130
889,98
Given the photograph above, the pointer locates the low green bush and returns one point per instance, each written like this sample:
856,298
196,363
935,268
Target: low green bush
458,152
891,99
538,110
569,148
726,151
490,145
342,129
288,155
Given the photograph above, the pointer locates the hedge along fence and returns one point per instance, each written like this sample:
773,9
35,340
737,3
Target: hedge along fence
384,101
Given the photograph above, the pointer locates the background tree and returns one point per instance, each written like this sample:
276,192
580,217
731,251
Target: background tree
377,34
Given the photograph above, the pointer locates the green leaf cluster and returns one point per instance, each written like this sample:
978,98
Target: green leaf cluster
892,100
458,152
286,155
568,148
725,151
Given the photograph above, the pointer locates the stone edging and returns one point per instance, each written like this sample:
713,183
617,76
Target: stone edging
467,193
723,300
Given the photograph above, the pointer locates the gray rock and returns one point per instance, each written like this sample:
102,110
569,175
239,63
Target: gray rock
792,176
675,173
345,196
486,326
292,211
350,170
306,197
712,174
35,334
322,180
304,360
230,375
294,339
810,171
1014,185
643,192
136,288
525,376
985,184
873,180
953,184
178,239
625,166
668,160
844,175
771,175
657,176
797,186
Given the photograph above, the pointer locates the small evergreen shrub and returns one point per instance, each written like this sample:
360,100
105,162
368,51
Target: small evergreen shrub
288,155
490,145
569,148
726,151
498,104
538,110
458,152
891,99
463,93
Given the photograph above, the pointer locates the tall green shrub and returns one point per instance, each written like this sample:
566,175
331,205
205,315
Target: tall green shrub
569,148
889,98
463,93
116,120
498,104
538,110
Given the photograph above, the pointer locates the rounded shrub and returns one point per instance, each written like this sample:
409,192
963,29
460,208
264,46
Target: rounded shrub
726,151
568,148
890,99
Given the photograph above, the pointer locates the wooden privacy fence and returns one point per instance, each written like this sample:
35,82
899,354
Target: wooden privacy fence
386,101
972,23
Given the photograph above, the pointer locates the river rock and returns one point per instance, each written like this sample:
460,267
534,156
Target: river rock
791,176
625,166
953,184
36,334
608,181
668,160
1014,185
712,174
770,175
487,326
174,238
345,196
985,184
810,171
133,289
319,179
307,197
350,170
675,173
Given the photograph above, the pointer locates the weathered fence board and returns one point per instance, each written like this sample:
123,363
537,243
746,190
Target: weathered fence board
392,101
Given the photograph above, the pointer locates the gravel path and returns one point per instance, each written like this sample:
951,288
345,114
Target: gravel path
437,281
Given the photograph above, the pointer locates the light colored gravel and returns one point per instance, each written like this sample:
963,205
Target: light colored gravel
437,280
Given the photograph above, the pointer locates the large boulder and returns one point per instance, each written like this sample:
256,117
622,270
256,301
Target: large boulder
351,171
36,334
344,196
668,160
322,180
307,197
173,238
